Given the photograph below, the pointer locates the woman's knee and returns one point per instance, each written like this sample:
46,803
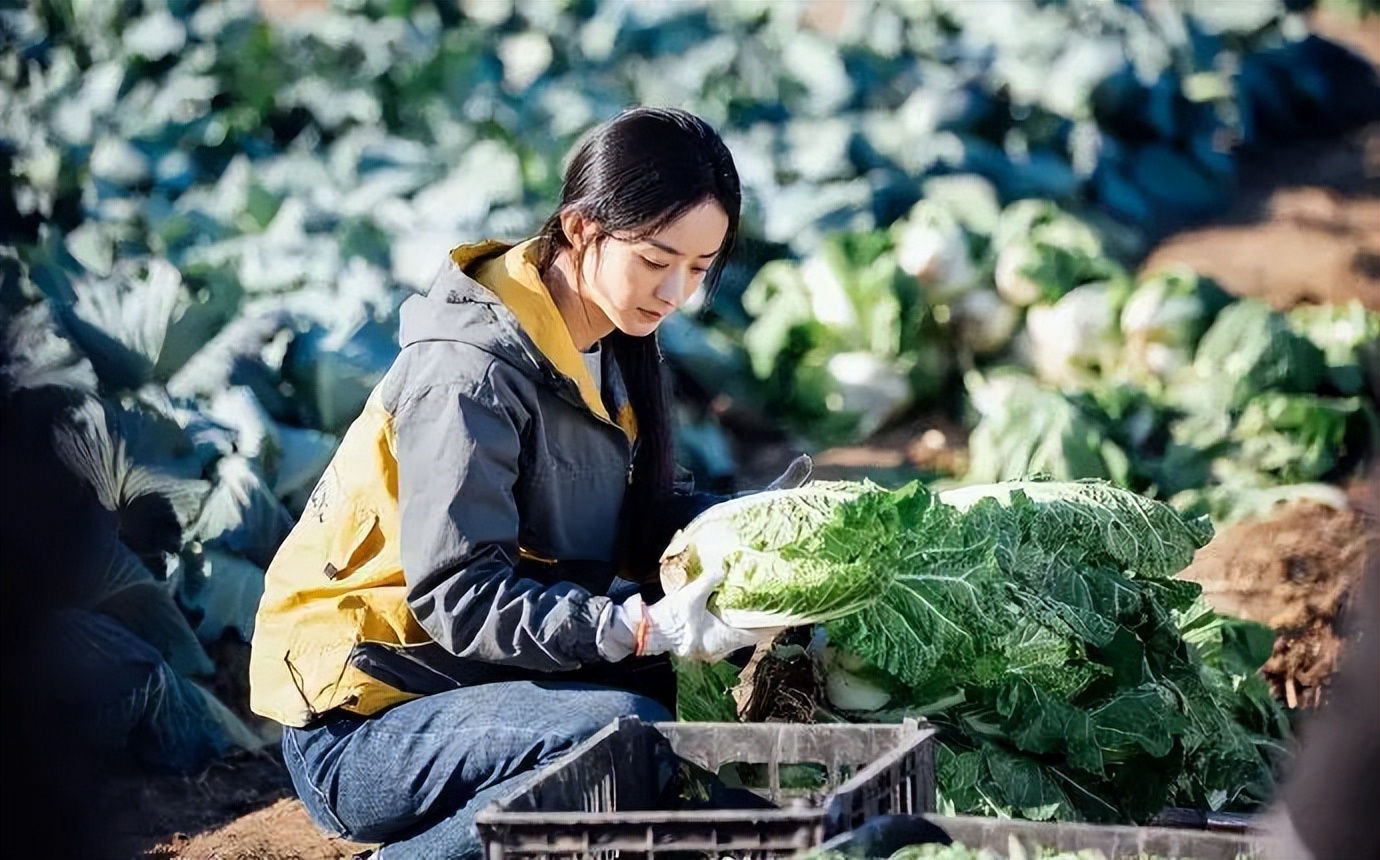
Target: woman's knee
605,706
649,710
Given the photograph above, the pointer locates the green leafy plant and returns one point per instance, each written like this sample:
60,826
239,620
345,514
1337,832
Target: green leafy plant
1038,623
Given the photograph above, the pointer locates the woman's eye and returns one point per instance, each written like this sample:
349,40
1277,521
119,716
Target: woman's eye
653,265
699,270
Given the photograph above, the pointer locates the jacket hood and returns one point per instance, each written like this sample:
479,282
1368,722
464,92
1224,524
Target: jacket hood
456,307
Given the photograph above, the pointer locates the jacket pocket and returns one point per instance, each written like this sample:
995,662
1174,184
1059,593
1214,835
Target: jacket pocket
357,540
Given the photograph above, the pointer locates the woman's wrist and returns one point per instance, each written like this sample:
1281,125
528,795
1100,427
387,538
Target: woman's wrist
643,631
619,626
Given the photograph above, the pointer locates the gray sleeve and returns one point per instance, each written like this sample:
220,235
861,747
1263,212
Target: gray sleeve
458,450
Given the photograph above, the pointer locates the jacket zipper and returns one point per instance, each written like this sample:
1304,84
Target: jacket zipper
567,389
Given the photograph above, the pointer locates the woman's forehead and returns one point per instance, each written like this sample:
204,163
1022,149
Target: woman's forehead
698,232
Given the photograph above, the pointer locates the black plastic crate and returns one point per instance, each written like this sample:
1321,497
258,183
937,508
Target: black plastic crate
880,837
603,796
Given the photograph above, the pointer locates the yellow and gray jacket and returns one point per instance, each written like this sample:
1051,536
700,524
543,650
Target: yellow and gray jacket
466,531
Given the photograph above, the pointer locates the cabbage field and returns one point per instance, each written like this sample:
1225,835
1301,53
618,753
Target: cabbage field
211,218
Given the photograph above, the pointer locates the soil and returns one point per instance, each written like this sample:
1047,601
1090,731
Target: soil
1296,571
1294,243
243,808
1306,227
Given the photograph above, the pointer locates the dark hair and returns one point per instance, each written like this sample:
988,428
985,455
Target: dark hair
631,176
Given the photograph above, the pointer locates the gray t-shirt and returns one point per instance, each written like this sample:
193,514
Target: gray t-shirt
594,361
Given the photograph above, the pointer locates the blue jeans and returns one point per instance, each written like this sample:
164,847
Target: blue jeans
414,776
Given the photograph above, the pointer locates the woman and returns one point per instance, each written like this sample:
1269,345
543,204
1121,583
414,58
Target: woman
457,605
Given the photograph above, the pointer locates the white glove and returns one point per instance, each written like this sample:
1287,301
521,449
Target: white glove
679,624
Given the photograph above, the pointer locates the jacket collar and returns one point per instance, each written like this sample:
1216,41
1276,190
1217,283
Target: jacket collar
506,277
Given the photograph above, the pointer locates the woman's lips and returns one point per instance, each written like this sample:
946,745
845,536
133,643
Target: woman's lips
651,315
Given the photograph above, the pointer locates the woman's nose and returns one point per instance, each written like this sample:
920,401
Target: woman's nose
671,290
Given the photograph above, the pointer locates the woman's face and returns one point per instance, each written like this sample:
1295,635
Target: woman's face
637,282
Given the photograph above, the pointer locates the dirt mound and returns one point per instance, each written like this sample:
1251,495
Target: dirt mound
1309,231
1316,246
278,832
1296,571
242,808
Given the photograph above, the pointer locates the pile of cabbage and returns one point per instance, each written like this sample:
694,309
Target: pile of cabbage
1024,322
1039,624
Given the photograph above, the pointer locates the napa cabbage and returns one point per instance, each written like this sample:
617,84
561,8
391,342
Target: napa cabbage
1076,339
1349,336
1249,348
1162,321
784,567
1026,428
1039,623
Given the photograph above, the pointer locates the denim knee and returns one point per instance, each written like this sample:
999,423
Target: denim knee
605,706
649,710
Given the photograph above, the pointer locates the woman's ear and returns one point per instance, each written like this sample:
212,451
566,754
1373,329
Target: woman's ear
579,231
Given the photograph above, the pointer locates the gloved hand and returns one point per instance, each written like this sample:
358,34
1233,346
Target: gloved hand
682,624
679,624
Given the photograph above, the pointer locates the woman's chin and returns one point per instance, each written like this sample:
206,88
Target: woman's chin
638,324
